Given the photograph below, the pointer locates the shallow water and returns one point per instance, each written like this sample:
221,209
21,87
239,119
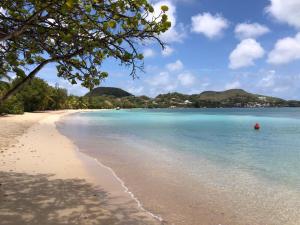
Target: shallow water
201,166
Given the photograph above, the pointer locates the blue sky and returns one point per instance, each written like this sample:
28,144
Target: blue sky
216,45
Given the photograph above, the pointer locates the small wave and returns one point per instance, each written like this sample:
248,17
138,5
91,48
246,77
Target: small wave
126,189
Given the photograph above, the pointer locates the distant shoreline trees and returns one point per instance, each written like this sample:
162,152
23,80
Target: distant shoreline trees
39,96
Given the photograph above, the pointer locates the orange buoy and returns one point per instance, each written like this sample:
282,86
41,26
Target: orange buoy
257,126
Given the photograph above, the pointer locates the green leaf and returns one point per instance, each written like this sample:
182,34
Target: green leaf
120,40
104,74
70,3
140,56
96,82
112,24
164,8
164,18
88,8
151,9
19,72
127,56
105,26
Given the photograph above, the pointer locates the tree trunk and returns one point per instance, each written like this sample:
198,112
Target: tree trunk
32,74
21,83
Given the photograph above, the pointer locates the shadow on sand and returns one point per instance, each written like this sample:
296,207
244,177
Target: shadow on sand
41,200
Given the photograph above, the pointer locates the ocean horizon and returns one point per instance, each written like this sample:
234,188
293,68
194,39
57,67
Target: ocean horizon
200,166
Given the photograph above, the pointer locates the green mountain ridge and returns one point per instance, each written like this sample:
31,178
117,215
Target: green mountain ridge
212,99
108,91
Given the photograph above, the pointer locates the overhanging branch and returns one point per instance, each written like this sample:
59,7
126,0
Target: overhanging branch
32,74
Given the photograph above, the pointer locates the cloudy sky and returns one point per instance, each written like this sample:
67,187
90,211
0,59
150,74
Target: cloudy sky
217,45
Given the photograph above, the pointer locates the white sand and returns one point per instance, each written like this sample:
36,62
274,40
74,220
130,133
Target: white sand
41,149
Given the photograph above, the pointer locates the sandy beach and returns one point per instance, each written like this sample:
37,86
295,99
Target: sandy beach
45,180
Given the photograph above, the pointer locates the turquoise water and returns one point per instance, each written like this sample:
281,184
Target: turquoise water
223,136
200,164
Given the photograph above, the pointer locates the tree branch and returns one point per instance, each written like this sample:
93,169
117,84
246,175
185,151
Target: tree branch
32,74
20,84
23,28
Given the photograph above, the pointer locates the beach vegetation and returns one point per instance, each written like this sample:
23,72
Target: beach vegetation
36,96
40,96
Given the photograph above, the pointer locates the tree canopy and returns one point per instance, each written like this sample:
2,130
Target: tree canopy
78,35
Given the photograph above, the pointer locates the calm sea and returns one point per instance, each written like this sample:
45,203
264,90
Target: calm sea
216,149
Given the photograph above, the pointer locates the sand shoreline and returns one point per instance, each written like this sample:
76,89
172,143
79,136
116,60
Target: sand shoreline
41,155
93,165
45,179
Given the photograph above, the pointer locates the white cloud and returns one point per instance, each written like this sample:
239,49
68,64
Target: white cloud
169,88
211,26
186,79
250,30
286,50
167,51
176,66
148,53
286,11
162,79
136,90
162,83
176,32
275,84
233,85
245,53
268,80
166,81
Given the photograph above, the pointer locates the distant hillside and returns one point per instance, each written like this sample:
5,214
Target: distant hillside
236,94
237,98
224,95
229,98
108,91
115,97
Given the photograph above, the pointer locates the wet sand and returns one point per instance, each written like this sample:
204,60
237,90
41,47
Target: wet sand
45,180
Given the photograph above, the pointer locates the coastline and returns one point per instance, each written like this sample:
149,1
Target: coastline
52,178
39,155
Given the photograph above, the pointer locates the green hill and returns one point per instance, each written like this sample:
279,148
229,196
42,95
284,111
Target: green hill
224,95
236,97
234,94
108,91
228,98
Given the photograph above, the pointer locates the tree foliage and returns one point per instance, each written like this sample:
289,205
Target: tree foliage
36,96
77,35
